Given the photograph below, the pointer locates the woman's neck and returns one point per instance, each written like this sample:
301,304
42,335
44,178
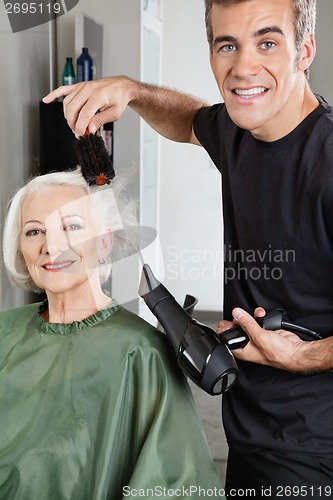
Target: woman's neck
66,308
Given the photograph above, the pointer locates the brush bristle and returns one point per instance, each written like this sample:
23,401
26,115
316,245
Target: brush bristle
94,159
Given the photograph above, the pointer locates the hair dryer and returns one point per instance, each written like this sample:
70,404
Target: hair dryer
200,354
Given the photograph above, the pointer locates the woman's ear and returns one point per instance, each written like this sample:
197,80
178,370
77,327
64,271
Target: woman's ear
105,242
307,52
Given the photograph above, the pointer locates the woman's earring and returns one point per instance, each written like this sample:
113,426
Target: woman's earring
101,261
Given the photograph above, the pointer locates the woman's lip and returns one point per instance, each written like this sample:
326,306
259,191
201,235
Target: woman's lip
57,266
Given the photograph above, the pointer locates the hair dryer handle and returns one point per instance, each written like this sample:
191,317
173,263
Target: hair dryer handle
236,337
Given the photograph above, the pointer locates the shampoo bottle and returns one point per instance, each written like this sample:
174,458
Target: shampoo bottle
68,75
84,66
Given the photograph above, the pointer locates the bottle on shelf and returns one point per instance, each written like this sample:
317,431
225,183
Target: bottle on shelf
107,134
84,66
68,74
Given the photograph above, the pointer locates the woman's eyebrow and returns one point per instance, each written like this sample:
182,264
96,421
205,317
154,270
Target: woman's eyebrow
32,221
67,216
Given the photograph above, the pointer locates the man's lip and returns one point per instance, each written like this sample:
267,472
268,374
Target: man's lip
254,91
57,266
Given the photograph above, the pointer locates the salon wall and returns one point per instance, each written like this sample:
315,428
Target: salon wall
190,186
321,74
191,232
190,202
191,223
23,81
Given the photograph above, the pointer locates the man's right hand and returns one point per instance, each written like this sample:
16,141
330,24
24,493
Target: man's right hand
88,105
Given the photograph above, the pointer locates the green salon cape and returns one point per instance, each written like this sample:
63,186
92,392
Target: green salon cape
96,410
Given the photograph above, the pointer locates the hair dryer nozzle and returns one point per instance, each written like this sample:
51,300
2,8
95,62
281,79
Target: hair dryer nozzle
200,354
163,305
148,281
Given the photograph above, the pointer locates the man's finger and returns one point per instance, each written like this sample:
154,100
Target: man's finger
247,322
224,325
59,92
259,312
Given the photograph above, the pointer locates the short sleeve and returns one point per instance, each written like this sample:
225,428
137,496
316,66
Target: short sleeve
209,129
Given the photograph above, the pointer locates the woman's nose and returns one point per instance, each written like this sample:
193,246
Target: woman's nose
55,243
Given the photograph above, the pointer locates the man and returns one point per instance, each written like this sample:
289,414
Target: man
272,140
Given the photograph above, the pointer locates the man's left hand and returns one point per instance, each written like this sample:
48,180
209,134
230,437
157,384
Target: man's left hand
278,348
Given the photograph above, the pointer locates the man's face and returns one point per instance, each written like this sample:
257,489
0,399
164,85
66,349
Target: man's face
258,70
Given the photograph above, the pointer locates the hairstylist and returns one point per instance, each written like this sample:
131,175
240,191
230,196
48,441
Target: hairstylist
272,140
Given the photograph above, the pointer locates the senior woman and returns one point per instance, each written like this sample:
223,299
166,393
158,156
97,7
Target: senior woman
92,405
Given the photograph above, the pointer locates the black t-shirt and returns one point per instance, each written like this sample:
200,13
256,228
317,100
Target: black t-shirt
278,249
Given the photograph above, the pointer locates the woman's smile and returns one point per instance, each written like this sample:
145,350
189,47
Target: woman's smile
57,266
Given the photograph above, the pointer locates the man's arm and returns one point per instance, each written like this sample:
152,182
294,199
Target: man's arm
282,349
167,111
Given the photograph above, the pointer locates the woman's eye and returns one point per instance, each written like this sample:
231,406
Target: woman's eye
72,227
34,232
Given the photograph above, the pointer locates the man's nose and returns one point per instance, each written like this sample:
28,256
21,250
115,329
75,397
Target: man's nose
246,64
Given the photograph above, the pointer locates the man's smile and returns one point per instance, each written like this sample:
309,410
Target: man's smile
250,93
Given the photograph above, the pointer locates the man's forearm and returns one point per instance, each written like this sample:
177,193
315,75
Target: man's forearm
169,112
316,356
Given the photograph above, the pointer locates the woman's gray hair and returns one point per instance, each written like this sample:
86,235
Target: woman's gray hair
113,207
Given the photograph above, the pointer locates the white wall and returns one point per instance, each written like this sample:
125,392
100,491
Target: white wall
190,185
101,11
191,232
190,226
109,13
190,212
23,82
321,73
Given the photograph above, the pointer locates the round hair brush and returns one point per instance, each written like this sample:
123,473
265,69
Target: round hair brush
94,160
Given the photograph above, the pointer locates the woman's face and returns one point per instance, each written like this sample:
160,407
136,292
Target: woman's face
59,239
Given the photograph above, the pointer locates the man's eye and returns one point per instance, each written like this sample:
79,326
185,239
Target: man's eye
267,45
228,48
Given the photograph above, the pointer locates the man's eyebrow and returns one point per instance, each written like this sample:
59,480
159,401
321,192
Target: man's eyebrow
224,38
268,29
258,33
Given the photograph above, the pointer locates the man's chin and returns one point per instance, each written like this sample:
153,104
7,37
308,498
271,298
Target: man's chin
253,126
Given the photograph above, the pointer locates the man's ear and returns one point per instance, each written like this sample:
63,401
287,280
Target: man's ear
105,242
307,52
